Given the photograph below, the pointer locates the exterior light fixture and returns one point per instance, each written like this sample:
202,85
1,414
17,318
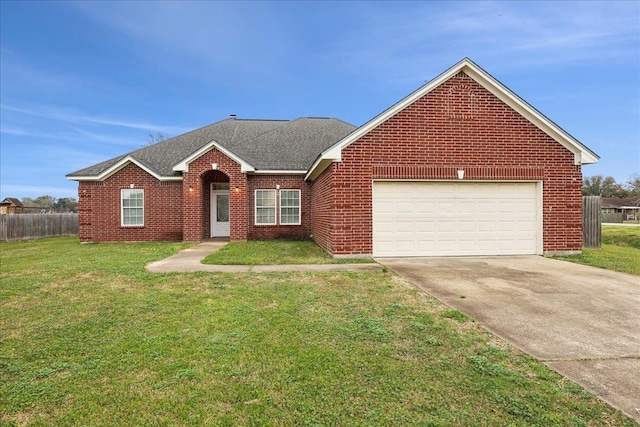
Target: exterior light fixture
190,189
236,190
460,173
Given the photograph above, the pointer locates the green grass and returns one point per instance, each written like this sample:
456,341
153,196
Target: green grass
275,252
88,337
621,236
620,251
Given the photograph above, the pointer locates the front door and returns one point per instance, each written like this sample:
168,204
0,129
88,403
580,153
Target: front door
219,213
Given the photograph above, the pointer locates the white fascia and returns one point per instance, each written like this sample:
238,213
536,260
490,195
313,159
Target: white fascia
582,155
121,164
279,172
183,165
334,153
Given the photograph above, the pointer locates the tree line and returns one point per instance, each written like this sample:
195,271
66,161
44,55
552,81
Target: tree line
606,186
50,204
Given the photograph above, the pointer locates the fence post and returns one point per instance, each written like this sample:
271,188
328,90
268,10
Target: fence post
592,221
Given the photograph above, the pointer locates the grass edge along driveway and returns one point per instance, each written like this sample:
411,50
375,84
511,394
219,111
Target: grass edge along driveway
620,250
275,252
88,337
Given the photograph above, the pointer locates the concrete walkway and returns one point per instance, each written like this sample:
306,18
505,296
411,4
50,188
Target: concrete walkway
189,260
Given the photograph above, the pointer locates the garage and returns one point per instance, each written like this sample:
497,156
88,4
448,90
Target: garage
422,218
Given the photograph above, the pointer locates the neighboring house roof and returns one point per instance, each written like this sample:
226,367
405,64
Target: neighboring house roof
258,145
617,203
10,201
582,154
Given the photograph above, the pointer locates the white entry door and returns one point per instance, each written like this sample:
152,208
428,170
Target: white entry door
220,213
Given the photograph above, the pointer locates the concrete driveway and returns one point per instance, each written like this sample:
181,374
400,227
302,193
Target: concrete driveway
584,322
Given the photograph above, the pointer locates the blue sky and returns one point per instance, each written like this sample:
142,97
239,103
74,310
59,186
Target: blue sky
82,82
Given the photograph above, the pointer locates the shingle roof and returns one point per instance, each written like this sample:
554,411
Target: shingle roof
616,202
265,144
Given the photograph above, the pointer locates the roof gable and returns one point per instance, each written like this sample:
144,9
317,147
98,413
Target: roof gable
582,155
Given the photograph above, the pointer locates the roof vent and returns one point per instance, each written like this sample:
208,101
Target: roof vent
232,116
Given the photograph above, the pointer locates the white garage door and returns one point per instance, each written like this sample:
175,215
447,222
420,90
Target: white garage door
455,218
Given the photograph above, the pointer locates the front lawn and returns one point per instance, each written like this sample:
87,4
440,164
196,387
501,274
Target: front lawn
88,337
275,252
620,250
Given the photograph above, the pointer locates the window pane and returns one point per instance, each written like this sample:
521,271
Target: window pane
265,207
132,207
290,198
266,216
290,206
265,198
220,185
222,208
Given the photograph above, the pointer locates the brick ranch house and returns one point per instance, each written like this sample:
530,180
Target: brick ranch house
461,166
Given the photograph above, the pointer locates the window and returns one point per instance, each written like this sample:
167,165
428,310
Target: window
219,186
132,207
265,207
290,207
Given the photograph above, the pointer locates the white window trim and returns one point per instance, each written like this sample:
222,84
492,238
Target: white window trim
255,207
122,208
299,206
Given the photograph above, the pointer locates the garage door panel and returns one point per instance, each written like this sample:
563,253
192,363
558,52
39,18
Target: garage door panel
454,218
467,226
405,226
425,226
486,226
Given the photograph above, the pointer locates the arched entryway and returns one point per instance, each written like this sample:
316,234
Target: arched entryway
216,206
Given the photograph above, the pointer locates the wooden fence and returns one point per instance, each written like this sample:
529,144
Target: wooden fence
592,221
613,217
35,226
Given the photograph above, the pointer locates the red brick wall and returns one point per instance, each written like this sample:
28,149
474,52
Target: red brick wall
286,182
99,208
196,203
457,125
322,209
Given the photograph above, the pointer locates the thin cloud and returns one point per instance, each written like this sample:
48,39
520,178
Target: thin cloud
69,116
109,139
76,135
9,130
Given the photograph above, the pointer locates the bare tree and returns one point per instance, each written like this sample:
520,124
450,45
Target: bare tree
633,188
154,139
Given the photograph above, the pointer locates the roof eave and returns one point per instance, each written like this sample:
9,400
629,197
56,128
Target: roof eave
278,172
118,166
319,166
